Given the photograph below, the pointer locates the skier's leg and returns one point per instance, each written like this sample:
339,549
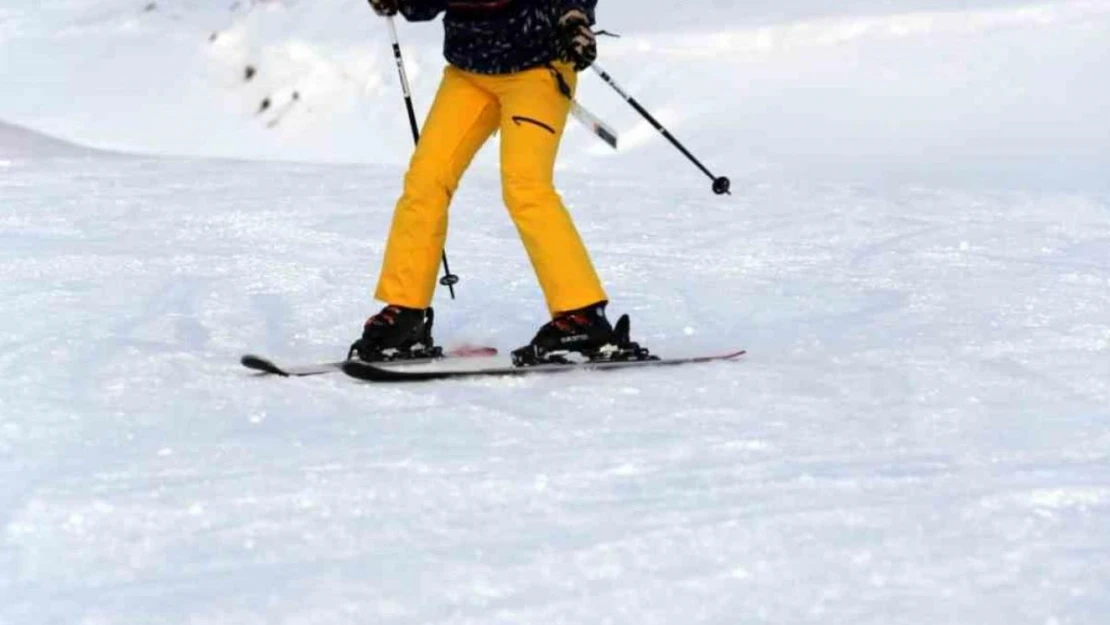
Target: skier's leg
533,116
461,119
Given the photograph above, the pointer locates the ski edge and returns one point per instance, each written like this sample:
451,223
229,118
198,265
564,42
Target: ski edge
369,372
266,366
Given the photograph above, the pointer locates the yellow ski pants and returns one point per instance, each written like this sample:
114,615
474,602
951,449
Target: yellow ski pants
531,113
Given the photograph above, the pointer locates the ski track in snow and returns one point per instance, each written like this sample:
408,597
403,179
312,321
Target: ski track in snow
918,436
917,257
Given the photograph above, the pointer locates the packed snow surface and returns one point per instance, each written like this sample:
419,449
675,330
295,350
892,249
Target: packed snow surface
916,256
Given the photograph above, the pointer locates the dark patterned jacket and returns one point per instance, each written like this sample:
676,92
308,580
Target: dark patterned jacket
497,36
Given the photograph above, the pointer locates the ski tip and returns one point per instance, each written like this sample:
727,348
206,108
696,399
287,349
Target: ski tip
730,356
262,365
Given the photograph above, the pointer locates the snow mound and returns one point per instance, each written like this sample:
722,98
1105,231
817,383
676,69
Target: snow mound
21,143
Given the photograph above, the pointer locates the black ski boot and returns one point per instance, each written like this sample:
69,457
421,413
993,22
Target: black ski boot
397,333
577,335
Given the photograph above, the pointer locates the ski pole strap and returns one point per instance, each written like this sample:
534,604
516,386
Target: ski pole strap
561,82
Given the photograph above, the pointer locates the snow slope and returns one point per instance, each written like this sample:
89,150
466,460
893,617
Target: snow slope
17,142
985,93
920,435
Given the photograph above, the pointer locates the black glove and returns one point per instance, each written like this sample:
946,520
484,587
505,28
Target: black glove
577,42
385,7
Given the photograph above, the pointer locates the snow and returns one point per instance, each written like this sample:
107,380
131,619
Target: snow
916,256
22,143
966,93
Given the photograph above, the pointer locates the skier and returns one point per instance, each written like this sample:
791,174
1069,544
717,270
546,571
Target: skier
511,67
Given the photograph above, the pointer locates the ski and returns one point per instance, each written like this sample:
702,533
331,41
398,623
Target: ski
267,366
375,372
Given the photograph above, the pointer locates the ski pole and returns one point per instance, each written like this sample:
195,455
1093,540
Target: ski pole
449,279
721,185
